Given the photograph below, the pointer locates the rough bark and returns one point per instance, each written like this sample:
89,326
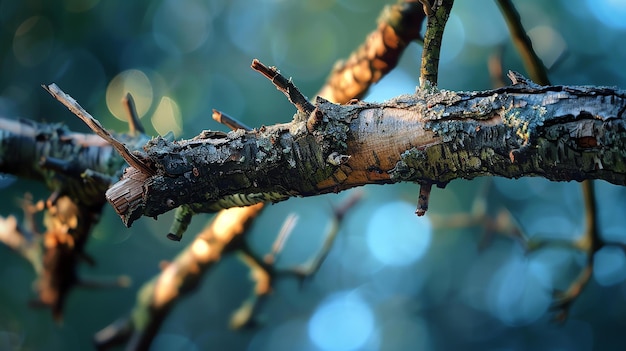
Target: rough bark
77,168
54,155
561,133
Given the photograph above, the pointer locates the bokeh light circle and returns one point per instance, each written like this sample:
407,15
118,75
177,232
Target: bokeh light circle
181,27
33,41
610,12
519,292
167,117
131,81
396,236
342,322
609,266
548,44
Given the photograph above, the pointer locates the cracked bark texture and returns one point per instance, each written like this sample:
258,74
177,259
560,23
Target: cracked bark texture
561,133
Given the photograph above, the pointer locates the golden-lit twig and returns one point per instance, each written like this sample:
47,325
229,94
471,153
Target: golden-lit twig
398,25
178,278
262,279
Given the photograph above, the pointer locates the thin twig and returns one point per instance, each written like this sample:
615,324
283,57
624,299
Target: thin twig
134,124
285,85
429,71
284,233
590,242
428,9
228,121
422,199
97,128
532,62
432,44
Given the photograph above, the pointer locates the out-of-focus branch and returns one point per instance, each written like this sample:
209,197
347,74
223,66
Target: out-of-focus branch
502,223
22,241
533,64
157,297
591,241
263,270
77,168
56,253
398,25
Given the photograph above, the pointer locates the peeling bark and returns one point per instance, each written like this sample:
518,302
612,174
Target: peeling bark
561,133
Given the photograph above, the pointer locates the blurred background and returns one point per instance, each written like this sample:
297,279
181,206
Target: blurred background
392,281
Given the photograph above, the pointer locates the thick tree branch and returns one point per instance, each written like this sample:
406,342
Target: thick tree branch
558,132
61,159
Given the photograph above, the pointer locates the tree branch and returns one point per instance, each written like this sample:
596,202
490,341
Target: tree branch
97,128
157,297
591,241
437,19
558,132
532,62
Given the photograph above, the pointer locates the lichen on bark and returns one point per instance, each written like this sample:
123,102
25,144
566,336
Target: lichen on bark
216,170
556,132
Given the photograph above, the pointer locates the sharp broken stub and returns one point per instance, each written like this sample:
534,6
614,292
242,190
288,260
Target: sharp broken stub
422,200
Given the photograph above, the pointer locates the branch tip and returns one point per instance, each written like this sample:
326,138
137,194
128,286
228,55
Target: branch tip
230,122
422,200
134,124
174,237
428,9
97,128
519,79
285,85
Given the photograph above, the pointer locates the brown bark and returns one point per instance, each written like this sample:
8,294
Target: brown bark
561,133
